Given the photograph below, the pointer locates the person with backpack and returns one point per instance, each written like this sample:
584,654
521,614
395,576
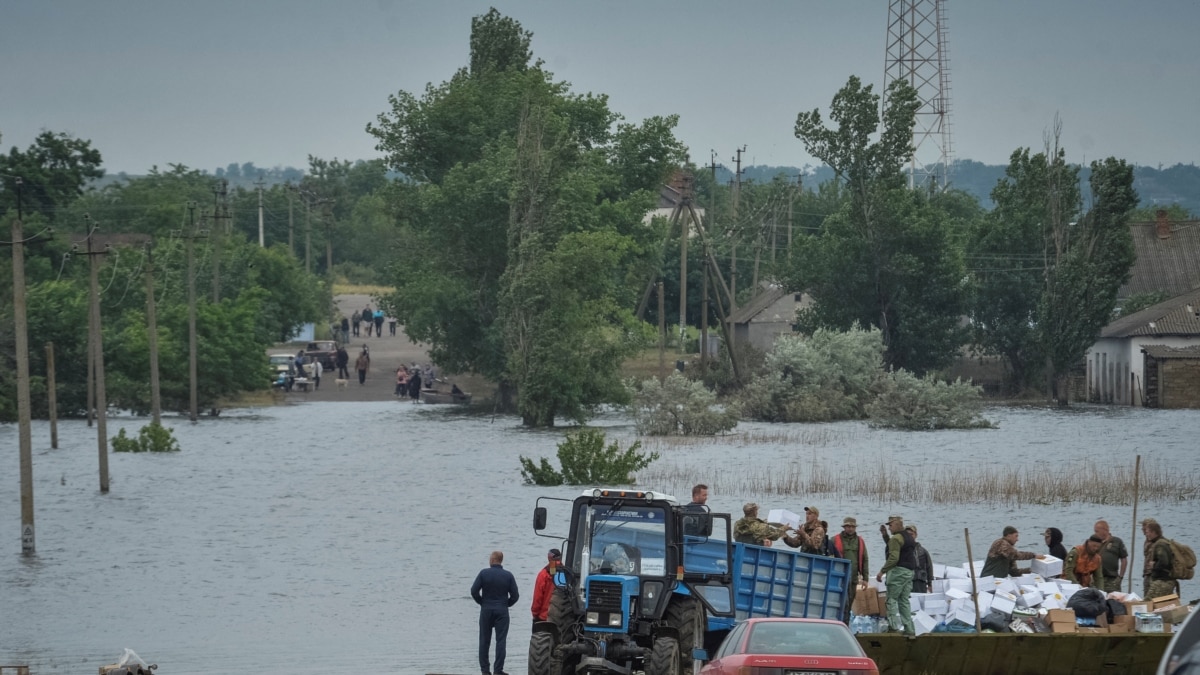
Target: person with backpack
1158,580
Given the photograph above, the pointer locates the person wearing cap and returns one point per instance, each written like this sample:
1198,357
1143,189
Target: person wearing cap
923,575
1083,565
849,546
751,529
543,588
1113,554
1054,539
810,538
1002,556
899,569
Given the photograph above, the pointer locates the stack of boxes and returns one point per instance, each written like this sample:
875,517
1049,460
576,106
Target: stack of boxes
1026,596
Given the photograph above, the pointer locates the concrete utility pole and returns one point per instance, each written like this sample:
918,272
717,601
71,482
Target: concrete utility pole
291,237
52,395
96,341
328,236
737,191
191,280
662,334
152,338
686,199
220,212
261,236
24,414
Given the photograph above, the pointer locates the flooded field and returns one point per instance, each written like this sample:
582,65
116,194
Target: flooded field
343,537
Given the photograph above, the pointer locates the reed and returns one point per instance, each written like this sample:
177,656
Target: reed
1015,486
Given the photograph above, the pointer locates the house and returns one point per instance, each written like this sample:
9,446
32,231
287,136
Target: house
1168,257
1172,377
1117,363
768,315
671,197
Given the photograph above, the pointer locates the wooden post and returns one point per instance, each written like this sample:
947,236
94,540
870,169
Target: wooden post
662,334
52,395
1137,470
974,585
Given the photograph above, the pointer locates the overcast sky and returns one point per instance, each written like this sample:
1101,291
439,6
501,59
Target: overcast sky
204,84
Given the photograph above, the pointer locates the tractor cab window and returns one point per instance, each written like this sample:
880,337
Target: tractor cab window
628,539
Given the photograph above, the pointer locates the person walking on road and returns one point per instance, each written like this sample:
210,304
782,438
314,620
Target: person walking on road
494,590
362,365
356,320
343,362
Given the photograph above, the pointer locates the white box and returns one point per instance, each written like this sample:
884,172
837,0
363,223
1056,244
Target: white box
1004,603
939,571
1031,599
1006,585
960,584
985,602
936,606
914,603
1047,588
956,573
956,594
986,583
1046,566
940,585
1053,601
784,517
958,603
966,615
978,568
1028,579
923,623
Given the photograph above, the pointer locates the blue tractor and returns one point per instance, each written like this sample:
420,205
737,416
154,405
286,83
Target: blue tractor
633,592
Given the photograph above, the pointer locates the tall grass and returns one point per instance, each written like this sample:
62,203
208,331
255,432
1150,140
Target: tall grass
1016,486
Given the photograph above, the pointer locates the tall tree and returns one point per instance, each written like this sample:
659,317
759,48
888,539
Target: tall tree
890,257
53,172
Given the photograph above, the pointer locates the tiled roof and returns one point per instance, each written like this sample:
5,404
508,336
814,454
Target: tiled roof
1178,316
1171,265
1163,352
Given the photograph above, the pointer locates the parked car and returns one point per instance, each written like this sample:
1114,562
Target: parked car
779,645
284,370
325,351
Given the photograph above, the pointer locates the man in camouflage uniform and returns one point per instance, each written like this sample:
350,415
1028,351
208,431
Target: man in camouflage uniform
810,538
1157,581
1113,555
753,530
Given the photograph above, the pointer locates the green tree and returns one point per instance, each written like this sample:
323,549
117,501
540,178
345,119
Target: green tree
52,172
890,257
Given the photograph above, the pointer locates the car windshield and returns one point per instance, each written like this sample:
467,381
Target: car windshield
628,540
801,637
281,359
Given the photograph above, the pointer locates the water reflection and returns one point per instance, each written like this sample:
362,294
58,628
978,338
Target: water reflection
335,537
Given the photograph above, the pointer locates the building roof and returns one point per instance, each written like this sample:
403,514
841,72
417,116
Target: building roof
758,304
1178,316
1164,352
1169,263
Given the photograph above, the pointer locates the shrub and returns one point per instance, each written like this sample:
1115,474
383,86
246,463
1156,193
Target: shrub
918,403
678,406
586,461
827,376
152,438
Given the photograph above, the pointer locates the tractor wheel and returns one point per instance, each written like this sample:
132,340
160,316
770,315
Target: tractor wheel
686,615
665,658
541,654
562,614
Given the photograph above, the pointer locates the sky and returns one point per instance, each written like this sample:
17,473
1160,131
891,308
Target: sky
206,84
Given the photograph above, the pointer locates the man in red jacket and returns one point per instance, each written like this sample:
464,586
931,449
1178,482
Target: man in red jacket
544,586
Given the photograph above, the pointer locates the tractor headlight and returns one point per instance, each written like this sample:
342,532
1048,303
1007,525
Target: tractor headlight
593,618
614,620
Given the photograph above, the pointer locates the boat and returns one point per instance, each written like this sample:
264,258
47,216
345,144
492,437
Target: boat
434,396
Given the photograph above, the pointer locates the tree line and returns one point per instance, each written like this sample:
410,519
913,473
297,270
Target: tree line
508,217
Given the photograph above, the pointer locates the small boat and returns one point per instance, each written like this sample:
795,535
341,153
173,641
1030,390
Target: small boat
435,396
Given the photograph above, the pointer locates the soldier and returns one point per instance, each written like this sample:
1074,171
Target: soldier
848,545
810,538
753,530
1114,556
1157,581
899,568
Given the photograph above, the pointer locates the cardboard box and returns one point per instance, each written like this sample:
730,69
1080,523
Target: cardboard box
978,564
1091,629
865,602
1053,602
784,517
1006,585
1137,607
965,615
961,584
1121,627
1029,599
957,594
1057,615
985,603
1046,566
936,605
939,571
1174,614
923,623
1064,627
1003,602
1166,601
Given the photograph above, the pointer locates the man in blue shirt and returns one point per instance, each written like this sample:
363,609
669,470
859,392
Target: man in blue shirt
494,590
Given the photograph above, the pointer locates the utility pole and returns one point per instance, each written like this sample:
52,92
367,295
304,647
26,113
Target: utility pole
152,338
191,273
307,237
96,341
220,212
52,395
662,334
261,237
24,412
712,226
328,236
291,238
685,231
737,191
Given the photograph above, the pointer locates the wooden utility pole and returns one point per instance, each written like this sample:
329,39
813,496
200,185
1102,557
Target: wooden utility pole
291,237
704,321
152,338
96,341
662,334
52,395
261,236
191,273
307,237
24,413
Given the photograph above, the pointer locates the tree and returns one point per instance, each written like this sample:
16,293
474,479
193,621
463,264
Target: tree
890,257
53,172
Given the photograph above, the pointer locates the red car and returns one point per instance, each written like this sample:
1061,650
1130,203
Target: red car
790,647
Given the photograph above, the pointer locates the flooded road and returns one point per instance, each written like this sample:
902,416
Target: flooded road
343,537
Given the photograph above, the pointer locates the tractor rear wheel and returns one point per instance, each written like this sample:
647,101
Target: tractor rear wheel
664,658
686,615
562,614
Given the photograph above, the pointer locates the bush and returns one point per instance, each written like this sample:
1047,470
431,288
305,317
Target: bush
827,376
678,406
152,438
915,403
586,461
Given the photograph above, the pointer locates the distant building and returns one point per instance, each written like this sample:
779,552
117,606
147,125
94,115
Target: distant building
1168,257
1117,362
768,315
669,198
1172,377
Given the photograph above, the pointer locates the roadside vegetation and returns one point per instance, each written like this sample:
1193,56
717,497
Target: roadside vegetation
584,459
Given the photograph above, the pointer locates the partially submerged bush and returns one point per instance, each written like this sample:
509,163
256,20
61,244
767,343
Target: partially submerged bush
678,406
827,376
586,461
919,403
152,438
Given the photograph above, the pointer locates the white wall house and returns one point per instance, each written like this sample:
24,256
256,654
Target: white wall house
1116,365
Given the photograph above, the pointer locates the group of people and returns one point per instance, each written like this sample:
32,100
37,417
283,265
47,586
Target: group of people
366,320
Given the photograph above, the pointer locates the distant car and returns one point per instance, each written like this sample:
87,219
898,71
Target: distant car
325,351
283,366
779,645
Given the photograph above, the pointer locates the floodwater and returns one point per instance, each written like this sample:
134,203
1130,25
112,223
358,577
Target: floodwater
344,537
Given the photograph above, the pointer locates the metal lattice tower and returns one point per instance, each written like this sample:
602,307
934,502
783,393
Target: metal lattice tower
917,52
